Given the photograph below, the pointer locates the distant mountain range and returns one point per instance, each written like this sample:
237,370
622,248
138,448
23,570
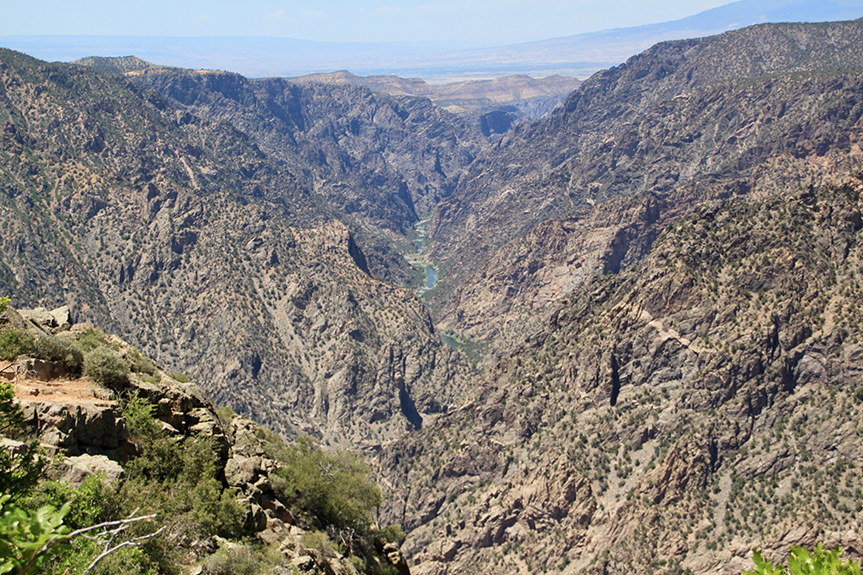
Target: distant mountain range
495,104
577,56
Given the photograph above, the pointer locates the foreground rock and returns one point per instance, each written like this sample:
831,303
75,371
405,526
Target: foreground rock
84,429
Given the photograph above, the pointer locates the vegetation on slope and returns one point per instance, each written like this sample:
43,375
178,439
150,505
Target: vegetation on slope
177,479
667,418
754,111
153,222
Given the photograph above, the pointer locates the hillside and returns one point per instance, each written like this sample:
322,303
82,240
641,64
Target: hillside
666,419
382,160
749,112
182,236
659,284
111,438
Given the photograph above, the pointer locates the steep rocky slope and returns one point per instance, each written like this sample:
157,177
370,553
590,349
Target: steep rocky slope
666,275
105,434
382,160
747,112
185,238
668,418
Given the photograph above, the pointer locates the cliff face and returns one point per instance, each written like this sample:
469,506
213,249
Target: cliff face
381,160
672,416
748,112
181,235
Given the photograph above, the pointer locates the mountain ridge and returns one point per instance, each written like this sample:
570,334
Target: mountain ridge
531,98
615,138
577,56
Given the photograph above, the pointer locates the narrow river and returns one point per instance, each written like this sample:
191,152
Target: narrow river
431,276
417,259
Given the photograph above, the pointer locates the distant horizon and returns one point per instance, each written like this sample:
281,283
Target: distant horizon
481,23
436,60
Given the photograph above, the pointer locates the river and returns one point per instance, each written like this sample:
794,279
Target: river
417,260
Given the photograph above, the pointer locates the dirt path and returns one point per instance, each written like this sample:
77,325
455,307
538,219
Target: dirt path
57,390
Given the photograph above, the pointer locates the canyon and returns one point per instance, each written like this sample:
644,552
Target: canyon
642,349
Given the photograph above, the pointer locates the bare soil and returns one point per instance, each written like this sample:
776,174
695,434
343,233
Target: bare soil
60,390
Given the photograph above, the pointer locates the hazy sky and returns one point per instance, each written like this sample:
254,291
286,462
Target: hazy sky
486,21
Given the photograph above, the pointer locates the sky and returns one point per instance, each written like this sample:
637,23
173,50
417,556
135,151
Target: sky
489,22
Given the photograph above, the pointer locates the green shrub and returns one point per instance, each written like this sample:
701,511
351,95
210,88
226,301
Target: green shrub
19,471
179,377
392,534
92,339
91,503
24,536
319,541
61,349
335,487
226,415
140,416
240,561
4,303
105,367
802,562
15,342
141,364
177,478
128,561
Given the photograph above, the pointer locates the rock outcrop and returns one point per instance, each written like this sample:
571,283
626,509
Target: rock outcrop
750,112
671,416
86,437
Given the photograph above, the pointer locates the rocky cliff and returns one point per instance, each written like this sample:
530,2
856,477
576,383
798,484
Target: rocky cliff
668,418
184,237
93,431
664,275
382,160
558,202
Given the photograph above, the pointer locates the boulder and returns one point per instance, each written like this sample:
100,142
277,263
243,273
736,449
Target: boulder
42,370
78,428
75,470
242,472
396,558
62,318
40,317
12,318
304,563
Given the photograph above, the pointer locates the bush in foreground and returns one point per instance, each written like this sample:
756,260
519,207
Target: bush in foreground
105,367
801,562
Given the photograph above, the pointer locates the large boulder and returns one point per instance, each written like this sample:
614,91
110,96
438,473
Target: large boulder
78,428
75,470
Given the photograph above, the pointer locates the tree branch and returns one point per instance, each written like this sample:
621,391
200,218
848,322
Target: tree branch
119,526
108,550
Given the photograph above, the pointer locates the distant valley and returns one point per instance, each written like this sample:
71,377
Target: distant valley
499,102
495,105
